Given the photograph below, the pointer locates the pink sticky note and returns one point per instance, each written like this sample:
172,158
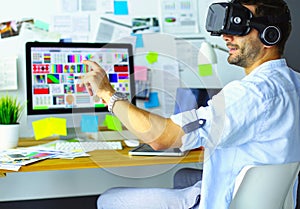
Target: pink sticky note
140,73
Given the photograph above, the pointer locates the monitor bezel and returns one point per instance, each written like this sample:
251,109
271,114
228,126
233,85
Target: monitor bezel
29,45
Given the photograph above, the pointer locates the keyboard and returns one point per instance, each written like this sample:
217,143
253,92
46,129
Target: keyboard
89,146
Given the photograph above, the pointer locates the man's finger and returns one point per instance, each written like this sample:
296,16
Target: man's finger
92,64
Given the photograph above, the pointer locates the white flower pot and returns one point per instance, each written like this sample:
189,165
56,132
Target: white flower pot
9,136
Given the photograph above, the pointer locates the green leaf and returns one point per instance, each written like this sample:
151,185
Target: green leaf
10,110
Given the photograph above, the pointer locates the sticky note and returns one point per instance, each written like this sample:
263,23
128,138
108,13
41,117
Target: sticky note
120,7
152,57
42,128
139,42
140,73
205,70
113,123
89,123
48,127
59,126
153,100
42,25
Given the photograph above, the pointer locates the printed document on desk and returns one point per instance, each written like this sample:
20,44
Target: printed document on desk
13,159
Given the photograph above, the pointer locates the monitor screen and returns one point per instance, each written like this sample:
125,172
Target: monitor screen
53,72
193,98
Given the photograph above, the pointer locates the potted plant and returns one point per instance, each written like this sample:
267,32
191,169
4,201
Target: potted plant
10,112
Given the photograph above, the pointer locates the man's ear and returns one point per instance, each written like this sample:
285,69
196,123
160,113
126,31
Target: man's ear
270,35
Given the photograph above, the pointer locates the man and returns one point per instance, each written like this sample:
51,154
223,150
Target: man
254,121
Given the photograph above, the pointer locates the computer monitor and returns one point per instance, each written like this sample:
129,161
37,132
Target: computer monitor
193,98
53,72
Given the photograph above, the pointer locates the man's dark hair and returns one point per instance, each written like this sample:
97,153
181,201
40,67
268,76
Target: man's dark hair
272,8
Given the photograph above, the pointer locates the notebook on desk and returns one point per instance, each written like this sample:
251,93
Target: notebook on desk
147,150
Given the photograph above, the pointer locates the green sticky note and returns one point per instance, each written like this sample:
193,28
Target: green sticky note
113,123
205,70
42,128
151,57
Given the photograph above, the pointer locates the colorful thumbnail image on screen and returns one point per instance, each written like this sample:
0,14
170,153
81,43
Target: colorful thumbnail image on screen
56,75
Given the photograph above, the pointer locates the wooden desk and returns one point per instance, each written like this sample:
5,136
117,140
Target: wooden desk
102,159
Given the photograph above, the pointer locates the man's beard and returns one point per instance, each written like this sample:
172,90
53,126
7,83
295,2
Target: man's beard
238,60
246,55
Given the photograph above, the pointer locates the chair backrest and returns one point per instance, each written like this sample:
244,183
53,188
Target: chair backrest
266,187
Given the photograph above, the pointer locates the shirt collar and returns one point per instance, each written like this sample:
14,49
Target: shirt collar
272,64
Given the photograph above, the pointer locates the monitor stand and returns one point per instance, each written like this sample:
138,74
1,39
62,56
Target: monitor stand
73,133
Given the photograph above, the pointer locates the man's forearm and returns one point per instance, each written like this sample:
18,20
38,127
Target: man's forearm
156,130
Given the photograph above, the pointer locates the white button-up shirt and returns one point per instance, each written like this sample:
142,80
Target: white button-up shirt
253,121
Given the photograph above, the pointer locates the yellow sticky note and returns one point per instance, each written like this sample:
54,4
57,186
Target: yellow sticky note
205,70
151,57
113,123
59,126
42,128
48,127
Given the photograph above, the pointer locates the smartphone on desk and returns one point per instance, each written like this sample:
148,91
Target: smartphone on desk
147,150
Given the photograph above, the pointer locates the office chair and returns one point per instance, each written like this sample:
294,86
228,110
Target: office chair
265,187
259,187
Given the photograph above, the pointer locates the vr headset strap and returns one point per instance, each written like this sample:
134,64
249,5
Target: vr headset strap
267,20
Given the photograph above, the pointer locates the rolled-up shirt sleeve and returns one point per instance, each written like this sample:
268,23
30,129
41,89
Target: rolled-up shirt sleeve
191,121
228,120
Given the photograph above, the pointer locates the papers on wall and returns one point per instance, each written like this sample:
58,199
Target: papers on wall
105,32
76,26
69,5
73,6
145,25
88,5
31,33
112,30
143,8
159,56
187,53
107,7
179,17
12,28
8,73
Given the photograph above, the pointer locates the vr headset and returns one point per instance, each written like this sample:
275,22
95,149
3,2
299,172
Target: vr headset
235,19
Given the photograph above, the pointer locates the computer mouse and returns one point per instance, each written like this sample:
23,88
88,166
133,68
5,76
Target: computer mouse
132,142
